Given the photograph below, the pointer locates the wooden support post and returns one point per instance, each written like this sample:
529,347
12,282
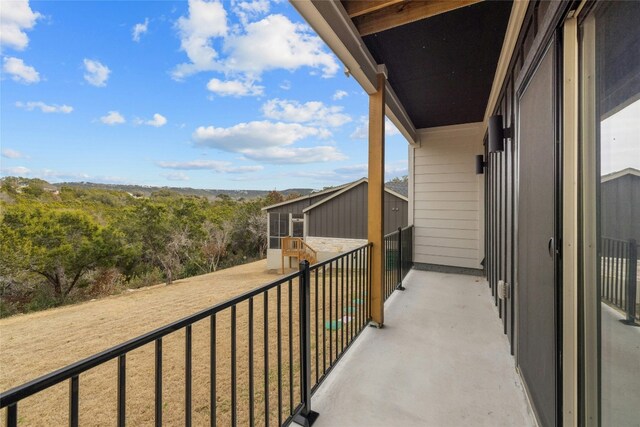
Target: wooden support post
376,199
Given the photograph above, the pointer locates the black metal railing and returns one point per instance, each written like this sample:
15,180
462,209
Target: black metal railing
296,341
406,252
398,259
619,276
340,307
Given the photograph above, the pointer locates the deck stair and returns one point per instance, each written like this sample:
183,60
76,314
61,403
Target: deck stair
296,247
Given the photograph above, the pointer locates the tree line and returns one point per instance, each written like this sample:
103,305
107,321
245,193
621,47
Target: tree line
63,245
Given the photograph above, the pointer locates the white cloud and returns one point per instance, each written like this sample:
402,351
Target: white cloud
157,121
16,16
139,29
45,108
254,135
176,176
268,141
16,171
213,165
48,173
206,20
295,155
96,73
285,85
339,95
235,88
246,10
354,172
362,130
244,169
250,48
19,71
277,43
112,118
12,154
312,112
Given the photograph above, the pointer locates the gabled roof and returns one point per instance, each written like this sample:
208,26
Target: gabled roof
308,196
400,187
615,175
399,190
348,188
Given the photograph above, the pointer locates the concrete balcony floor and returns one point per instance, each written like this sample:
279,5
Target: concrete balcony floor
440,360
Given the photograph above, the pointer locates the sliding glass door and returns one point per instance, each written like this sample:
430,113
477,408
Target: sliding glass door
610,142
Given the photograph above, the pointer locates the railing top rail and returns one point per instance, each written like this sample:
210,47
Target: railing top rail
325,262
614,239
306,245
408,227
32,387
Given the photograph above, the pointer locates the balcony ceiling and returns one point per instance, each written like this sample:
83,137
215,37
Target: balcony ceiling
441,55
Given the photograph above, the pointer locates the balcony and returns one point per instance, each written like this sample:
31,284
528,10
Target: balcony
440,360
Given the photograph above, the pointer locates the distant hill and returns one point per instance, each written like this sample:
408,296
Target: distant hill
144,190
17,183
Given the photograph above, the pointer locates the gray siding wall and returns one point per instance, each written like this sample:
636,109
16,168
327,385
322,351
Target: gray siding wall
297,207
621,217
447,208
345,216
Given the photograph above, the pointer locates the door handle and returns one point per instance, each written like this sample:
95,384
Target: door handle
551,246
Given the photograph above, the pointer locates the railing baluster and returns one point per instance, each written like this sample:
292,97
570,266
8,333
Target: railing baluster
251,394
74,385
359,288
324,321
632,281
290,290
614,266
266,357
350,304
342,304
279,338
350,297
316,326
619,274
337,309
122,389
306,416
234,396
187,376
610,270
12,415
331,315
212,370
158,383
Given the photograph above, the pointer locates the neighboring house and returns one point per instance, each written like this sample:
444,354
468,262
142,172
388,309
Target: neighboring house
331,221
620,192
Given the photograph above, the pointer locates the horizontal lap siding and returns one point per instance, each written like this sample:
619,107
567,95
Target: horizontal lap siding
447,198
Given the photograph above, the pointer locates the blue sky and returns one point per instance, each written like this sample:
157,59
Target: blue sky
203,94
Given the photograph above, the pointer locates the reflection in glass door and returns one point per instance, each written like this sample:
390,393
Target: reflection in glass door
610,61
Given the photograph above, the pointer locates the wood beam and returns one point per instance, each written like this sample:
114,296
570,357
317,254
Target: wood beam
404,13
360,7
375,208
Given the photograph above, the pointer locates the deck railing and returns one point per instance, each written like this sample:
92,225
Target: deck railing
398,259
273,356
619,276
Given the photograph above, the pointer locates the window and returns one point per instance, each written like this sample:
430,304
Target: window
297,225
278,228
610,123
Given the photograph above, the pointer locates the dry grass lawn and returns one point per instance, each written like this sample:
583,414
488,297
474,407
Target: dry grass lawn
35,344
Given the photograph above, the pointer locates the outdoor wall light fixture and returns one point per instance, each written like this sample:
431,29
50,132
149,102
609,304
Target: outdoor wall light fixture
497,134
480,164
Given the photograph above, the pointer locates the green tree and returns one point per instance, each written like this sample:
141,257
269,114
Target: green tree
61,246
